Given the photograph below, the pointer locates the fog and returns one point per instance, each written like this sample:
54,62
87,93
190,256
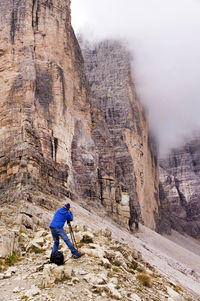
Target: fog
164,38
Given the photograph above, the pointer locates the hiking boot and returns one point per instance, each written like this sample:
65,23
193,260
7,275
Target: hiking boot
76,256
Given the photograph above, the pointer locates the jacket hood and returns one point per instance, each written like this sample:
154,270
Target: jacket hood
63,210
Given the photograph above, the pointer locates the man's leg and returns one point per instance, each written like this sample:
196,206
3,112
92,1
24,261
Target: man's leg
55,239
64,236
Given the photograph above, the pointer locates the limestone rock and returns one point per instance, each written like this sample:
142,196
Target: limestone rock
53,273
87,237
57,272
12,270
68,272
7,274
16,290
180,180
82,272
174,295
63,135
8,242
35,243
114,292
105,262
47,276
127,168
135,297
97,253
43,101
101,278
41,233
34,291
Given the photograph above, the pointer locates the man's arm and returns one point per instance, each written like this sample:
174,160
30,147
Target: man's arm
70,216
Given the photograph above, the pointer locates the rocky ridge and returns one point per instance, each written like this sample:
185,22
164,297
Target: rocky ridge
180,182
110,270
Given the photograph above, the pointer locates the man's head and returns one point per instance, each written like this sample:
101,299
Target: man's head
67,206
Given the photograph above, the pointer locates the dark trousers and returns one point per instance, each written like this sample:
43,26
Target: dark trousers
56,233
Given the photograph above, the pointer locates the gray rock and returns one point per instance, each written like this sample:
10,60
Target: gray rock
94,279
119,133
135,297
180,180
105,262
34,291
114,292
16,290
8,242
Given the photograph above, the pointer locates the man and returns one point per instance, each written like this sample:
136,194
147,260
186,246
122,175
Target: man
56,226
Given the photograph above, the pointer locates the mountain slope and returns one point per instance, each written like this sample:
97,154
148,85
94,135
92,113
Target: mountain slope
117,265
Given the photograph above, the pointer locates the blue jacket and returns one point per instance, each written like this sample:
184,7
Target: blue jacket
60,217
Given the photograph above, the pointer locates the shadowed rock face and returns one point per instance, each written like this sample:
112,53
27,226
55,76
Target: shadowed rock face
61,136
180,178
127,167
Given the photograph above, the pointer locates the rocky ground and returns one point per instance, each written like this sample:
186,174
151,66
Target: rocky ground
117,264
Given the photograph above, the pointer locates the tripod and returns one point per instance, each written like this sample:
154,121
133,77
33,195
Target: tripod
72,235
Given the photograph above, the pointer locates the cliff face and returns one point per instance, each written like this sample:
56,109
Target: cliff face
180,180
59,135
43,97
127,167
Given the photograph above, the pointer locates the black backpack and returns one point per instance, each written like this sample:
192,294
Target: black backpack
57,258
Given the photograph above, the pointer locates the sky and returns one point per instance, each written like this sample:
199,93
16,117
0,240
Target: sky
164,39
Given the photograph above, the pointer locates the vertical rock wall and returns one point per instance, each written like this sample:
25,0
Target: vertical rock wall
61,136
180,180
42,96
128,174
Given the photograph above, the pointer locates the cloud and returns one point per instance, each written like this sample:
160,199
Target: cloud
164,39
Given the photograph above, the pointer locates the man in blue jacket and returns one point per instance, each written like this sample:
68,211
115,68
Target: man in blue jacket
56,226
